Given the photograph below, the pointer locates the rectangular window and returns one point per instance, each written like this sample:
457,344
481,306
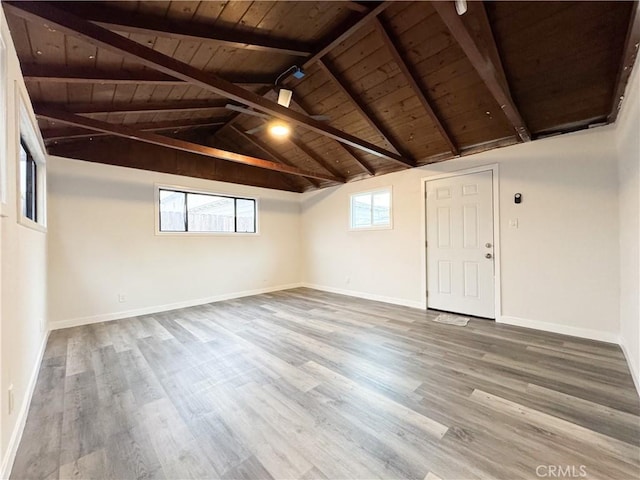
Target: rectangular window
31,166
205,213
371,209
28,183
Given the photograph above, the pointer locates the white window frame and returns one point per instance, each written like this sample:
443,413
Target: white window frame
179,188
30,133
388,189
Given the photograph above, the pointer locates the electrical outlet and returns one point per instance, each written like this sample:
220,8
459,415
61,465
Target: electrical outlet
122,297
10,399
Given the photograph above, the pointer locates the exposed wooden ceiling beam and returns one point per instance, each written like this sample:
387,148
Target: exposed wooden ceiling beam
337,38
101,37
412,79
363,164
145,107
356,7
489,69
271,152
66,133
367,168
364,111
628,59
315,157
176,144
61,74
131,154
131,22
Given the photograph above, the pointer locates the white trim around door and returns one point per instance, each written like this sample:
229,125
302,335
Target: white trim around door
496,228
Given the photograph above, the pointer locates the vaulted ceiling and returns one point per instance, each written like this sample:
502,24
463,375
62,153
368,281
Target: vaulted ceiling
399,84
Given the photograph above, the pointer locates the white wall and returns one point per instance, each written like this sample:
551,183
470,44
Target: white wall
559,268
628,146
22,280
102,243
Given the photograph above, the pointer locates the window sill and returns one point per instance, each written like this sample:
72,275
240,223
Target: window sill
368,229
31,225
205,234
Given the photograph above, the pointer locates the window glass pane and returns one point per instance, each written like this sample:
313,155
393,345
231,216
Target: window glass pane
23,179
28,179
361,210
208,213
246,215
381,212
172,211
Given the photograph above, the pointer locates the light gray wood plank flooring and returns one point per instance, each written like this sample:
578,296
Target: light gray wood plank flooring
304,384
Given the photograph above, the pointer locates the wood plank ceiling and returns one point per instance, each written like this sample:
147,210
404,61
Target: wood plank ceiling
144,84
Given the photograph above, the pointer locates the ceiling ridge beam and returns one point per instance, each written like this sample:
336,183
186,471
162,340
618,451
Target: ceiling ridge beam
65,133
412,79
62,74
141,107
132,22
176,144
490,70
104,38
337,38
364,111
271,152
629,54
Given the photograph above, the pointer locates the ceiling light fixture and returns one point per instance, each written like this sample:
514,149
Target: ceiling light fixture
284,97
461,7
279,129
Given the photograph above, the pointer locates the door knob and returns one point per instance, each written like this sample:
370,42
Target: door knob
488,245
488,255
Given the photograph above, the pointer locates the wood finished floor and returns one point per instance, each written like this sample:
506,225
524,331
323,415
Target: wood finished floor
310,385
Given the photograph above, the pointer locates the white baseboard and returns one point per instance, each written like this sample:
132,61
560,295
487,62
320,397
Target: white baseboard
106,317
369,296
21,420
590,334
632,367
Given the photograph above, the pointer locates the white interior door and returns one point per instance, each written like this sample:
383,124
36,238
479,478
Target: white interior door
460,263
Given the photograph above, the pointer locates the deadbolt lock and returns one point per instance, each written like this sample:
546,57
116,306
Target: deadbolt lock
488,245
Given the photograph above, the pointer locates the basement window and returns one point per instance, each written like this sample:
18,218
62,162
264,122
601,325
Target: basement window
195,212
371,210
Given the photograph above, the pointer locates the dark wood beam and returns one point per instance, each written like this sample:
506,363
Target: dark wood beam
412,79
131,22
363,164
66,133
68,23
628,59
489,69
356,7
271,152
142,107
61,74
365,112
122,152
176,144
315,157
336,38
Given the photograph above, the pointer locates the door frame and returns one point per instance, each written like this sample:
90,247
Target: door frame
496,229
